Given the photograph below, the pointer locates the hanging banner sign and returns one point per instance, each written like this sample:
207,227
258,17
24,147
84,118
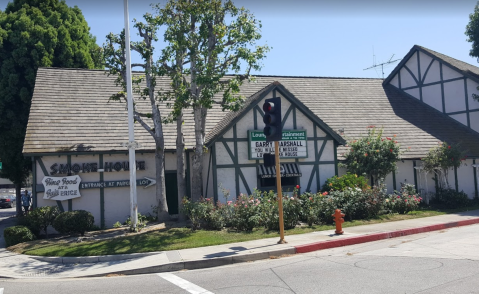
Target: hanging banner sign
61,188
292,144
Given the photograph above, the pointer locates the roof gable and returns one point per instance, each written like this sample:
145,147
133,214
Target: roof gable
462,67
232,118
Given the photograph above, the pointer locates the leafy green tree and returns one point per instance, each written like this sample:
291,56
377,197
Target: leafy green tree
33,34
443,158
214,38
373,155
472,33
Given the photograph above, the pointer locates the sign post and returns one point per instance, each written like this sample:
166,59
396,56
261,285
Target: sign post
280,194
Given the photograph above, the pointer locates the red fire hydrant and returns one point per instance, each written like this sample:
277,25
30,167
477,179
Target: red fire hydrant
338,219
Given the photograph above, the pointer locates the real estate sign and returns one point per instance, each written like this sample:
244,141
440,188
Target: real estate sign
292,144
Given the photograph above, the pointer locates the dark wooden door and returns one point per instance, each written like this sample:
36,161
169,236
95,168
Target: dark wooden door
171,184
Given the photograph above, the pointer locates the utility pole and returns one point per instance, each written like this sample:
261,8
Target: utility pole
132,145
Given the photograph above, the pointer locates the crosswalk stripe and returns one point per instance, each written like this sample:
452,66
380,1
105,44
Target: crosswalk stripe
184,284
1,290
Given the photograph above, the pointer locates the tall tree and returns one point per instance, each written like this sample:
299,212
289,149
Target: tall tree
472,32
218,38
115,58
33,34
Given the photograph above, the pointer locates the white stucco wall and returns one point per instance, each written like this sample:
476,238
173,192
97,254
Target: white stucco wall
454,96
434,73
432,95
413,92
406,79
449,73
117,201
424,61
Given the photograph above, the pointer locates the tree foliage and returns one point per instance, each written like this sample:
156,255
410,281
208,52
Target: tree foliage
213,38
472,33
443,158
33,34
373,155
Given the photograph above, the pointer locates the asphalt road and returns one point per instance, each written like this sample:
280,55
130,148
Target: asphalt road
436,262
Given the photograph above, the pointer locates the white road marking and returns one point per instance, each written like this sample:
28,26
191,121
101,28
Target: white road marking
1,290
184,284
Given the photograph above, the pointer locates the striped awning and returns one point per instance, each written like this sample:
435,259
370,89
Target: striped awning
287,170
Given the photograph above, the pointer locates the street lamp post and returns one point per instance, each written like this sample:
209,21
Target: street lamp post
131,133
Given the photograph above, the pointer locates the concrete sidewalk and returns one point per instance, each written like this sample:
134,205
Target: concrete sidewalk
23,266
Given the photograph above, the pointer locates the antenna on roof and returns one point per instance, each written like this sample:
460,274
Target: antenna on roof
382,64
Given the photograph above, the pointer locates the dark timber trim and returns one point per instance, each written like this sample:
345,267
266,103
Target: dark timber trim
415,174
34,186
215,173
70,201
476,192
394,180
455,179
427,70
208,176
467,103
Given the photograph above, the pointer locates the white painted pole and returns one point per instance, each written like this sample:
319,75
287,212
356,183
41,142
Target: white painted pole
131,131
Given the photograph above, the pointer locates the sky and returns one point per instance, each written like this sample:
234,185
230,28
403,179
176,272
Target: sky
326,38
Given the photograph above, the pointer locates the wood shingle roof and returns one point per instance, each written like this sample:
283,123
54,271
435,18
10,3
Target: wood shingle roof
70,112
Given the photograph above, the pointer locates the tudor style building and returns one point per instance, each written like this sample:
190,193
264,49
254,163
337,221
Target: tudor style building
75,136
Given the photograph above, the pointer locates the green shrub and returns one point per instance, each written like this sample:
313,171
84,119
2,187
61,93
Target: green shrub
77,221
348,180
449,198
142,221
358,204
270,212
197,211
40,218
17,234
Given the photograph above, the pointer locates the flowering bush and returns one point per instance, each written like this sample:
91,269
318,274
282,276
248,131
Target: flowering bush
246,213
403,201
348,180
270,211
372,155
317,208
358,204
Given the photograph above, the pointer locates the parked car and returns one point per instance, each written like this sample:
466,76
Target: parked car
8,201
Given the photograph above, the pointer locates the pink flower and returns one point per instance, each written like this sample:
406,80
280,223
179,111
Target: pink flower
246,206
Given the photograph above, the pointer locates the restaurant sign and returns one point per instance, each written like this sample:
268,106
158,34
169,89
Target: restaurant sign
292,144
61,188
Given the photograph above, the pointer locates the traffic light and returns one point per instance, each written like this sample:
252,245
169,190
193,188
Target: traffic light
272,119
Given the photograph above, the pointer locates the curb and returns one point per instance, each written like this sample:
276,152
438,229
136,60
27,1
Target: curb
201,263
92,259
381,236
